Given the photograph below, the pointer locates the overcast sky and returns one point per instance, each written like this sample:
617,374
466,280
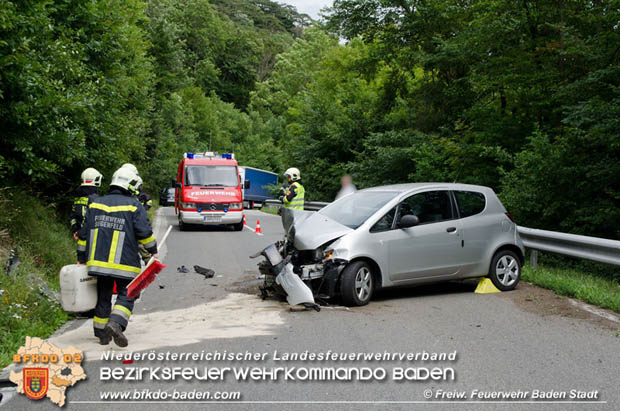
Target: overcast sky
310,7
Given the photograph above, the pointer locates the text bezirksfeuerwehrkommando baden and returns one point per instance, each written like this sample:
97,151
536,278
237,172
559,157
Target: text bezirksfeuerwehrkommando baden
315,356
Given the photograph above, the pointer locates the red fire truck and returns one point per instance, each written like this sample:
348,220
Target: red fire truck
208,190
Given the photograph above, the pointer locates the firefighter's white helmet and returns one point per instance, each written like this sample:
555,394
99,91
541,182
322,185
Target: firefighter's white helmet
91,177
125,178
135,189
131,167
293,173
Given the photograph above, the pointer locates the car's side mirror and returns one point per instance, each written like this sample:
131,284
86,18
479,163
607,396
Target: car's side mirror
408,220
173,183
177,185
246,184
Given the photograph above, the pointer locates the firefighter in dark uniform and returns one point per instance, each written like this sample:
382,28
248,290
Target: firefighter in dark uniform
294,196
145,200
108,245
88,191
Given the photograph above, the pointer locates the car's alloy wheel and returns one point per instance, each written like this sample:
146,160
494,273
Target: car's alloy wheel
356,284
363,283
505,270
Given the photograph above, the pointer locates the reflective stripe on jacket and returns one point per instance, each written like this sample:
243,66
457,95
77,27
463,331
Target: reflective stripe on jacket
296,202
78,211
145,200
108,241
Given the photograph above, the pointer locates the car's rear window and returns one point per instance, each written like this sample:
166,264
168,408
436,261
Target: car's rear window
470,202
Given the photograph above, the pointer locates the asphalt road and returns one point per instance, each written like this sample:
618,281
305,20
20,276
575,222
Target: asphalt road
502,343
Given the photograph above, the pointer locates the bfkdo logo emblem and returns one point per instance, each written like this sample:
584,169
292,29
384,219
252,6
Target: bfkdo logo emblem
36,382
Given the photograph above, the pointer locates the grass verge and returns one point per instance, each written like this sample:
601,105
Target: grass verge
269,210
600,291
29,304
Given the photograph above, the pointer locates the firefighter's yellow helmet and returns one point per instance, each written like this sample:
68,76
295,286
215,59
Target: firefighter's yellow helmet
91,177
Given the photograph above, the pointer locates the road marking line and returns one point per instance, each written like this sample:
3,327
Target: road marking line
253,230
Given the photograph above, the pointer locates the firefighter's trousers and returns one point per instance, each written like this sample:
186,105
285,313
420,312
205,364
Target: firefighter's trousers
104,311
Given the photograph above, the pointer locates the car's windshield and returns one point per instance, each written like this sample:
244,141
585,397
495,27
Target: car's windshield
353,210
211,176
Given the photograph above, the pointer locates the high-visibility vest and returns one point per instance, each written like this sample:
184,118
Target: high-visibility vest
297,203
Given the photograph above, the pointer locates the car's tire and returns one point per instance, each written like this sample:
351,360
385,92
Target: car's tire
357,284
505,271
238,226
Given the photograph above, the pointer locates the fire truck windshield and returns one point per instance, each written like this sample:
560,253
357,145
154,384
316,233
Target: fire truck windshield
211,176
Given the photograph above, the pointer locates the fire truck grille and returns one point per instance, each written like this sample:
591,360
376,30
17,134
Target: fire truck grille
212,206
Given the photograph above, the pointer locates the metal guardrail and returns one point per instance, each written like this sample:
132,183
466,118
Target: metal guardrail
308,205
579,246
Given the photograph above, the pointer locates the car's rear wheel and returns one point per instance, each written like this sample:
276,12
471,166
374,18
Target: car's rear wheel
357,284
505,270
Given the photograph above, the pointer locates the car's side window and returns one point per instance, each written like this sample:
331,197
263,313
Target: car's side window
430,206
385,223
469,202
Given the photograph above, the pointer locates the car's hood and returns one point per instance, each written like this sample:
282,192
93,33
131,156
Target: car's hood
316,230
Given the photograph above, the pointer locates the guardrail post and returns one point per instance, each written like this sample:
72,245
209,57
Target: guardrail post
534,259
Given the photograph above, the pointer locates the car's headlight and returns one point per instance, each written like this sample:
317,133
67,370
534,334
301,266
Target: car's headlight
327,254
188,205
235,206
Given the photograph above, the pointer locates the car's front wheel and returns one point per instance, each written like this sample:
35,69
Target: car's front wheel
356,284
505,270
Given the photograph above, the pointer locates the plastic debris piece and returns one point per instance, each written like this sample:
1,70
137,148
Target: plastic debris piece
183,269
207,272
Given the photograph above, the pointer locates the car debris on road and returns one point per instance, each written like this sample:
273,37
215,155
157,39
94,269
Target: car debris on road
207,272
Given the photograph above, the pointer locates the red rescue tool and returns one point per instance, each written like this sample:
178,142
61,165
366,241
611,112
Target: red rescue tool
147,276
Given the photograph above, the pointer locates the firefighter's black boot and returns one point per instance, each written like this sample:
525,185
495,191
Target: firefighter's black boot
105,339
115,330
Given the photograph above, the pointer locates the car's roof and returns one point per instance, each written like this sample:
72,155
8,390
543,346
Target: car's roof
403,188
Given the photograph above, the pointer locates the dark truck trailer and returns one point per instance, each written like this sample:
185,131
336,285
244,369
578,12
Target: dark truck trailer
260,180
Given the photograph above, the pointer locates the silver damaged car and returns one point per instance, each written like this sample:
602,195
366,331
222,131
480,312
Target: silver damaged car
398,235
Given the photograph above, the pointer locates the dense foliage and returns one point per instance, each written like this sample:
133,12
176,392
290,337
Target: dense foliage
520,96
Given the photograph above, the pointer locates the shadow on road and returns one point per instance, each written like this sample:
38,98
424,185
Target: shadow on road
451,287
205,228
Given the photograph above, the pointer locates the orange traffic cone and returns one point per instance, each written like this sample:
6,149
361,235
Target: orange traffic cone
258,230
244,223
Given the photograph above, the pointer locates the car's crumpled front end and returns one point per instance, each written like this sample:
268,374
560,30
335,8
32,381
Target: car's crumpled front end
306,253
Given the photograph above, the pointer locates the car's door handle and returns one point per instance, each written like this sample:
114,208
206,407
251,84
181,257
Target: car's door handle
451,229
